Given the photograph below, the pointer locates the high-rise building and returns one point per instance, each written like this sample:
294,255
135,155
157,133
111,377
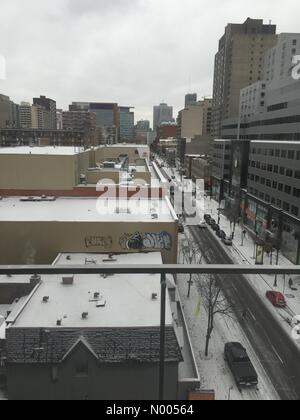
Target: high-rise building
81,121
269,109
162,114
50,106
59,119
126,118
238,63
25,115
190,99
107,119
9,113
195,120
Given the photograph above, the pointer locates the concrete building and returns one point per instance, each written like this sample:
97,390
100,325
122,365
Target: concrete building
50,107
25,114
162,114
84,121
199,168
59,119
221,166
126,119
270,110
33,230
72,171
143,132
89,350
195,120
26,169
238,63
4,111
166,130
107,119
190,99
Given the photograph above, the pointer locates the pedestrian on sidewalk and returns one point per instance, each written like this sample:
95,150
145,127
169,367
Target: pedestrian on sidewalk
291,283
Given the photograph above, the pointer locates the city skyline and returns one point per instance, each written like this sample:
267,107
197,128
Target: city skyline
131,59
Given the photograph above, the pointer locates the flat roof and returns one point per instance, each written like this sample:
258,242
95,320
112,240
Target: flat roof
43,150
127,299
270,142
13,209
132,145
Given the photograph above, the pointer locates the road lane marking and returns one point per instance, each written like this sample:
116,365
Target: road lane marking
275,351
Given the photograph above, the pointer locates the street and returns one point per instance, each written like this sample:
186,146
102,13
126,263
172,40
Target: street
278,355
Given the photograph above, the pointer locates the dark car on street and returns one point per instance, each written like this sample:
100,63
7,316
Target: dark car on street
240,365
207,218
216,227
221,234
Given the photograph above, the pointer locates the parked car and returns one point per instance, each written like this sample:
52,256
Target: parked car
202,224
221,234
276,298
180,228
207,218
240,365
227,240
215,227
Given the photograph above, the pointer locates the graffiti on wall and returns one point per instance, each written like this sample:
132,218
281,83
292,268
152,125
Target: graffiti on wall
145,241
99,241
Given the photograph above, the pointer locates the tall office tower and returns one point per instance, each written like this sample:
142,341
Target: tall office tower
59,119
126,118
190,99
9,113
25,115
50,106
162,113
238,63
107,119
84,121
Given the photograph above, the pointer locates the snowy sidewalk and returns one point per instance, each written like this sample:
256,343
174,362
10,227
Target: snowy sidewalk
214,371
243,252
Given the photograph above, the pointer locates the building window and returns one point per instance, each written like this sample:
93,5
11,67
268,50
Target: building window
295,210
82,369
289,173
291,154
288,189
282,170
286,206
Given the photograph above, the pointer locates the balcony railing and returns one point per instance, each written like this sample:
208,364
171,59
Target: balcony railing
162,270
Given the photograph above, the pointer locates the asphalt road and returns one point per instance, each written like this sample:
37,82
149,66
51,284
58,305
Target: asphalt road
277,353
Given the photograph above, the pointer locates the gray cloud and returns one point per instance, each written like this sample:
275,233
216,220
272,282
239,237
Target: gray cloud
135,52
83,7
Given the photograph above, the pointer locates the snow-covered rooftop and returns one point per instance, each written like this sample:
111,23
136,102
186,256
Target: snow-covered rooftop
43,150
13,209
124,300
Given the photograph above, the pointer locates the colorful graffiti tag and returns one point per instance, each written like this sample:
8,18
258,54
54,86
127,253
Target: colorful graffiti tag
146,241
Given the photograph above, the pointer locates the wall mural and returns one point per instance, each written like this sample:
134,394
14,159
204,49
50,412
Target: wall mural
99,241
145,241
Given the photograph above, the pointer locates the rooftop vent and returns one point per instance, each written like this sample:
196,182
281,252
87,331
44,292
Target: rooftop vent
84,315
110,258
101,303
59,322
90,261
154,216
68,280
35,279
46,299
68,257
96,295
154,296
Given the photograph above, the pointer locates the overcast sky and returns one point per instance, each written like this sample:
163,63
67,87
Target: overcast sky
134,52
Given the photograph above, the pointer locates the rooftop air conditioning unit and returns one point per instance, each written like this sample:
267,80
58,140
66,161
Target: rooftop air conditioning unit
68,280
85,315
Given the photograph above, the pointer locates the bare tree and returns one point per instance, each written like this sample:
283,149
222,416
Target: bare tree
191,254
215,303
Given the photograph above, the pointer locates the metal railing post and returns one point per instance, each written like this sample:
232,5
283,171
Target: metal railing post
161,387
